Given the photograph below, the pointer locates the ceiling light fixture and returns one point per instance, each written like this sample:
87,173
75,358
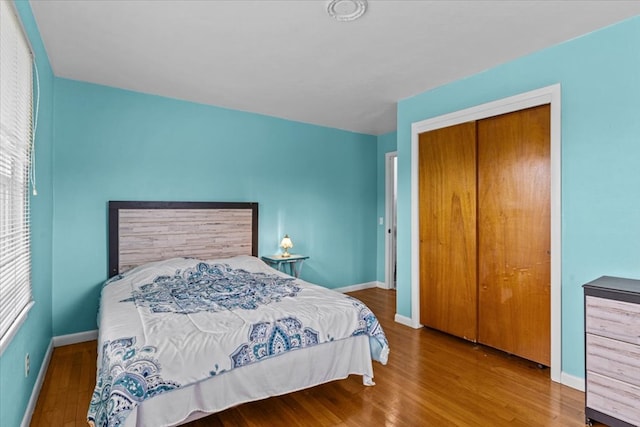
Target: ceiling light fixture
346,10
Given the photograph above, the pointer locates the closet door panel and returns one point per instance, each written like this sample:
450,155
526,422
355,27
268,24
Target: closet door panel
514,280
447,188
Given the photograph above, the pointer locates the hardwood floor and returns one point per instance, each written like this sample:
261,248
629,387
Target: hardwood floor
432,379
66,391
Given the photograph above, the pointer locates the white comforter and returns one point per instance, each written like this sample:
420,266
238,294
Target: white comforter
174,323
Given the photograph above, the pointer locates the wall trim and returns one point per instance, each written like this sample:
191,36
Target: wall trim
573,381
61,340
361,286
407,321
37,386
546,95
15,327
58,341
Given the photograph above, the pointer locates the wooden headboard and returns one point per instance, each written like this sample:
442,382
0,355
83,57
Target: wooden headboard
141,232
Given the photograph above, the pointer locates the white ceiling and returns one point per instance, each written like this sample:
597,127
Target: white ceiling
289,59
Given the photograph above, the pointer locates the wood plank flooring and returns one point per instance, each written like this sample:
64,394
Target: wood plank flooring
432,379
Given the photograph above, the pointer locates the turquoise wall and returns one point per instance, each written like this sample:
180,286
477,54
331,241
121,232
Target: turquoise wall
386,144
35,334
314,183
599,75
319,185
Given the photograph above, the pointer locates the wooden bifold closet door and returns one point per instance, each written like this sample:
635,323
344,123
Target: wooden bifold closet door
485,231
514,236
447,180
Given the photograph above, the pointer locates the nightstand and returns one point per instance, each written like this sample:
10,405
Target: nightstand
291,265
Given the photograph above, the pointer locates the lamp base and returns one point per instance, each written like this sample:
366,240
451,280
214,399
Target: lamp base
285,254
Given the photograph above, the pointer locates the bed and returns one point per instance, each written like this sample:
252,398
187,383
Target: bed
191,322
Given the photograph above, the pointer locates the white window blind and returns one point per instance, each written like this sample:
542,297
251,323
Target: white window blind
16,102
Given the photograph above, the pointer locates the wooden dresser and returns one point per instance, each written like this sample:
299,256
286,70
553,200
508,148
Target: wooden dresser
612,351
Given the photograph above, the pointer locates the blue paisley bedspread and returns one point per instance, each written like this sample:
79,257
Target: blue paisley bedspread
175,323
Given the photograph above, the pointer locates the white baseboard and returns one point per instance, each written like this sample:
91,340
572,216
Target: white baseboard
383,285
565,379
359,287
75,338
55,342
407,321
35,393
572,381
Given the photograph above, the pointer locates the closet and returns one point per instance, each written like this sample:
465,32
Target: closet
484,194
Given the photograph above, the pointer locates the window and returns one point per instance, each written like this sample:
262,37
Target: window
16,100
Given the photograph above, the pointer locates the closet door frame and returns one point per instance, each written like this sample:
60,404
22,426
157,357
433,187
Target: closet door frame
546,95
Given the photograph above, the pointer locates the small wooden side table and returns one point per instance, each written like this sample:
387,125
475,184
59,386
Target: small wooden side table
291,265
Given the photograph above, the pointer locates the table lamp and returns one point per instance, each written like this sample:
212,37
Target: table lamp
286,244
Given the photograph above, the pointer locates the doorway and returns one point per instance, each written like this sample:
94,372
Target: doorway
391,199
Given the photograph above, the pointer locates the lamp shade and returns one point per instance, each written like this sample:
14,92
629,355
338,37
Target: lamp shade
286,242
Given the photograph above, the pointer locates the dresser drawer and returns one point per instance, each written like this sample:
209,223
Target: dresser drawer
613,319
613,397
613,359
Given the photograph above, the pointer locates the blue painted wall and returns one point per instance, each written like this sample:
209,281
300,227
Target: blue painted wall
35,334
320,185
314,183
600,78
386,144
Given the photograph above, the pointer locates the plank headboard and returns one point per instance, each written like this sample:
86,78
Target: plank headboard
141,232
